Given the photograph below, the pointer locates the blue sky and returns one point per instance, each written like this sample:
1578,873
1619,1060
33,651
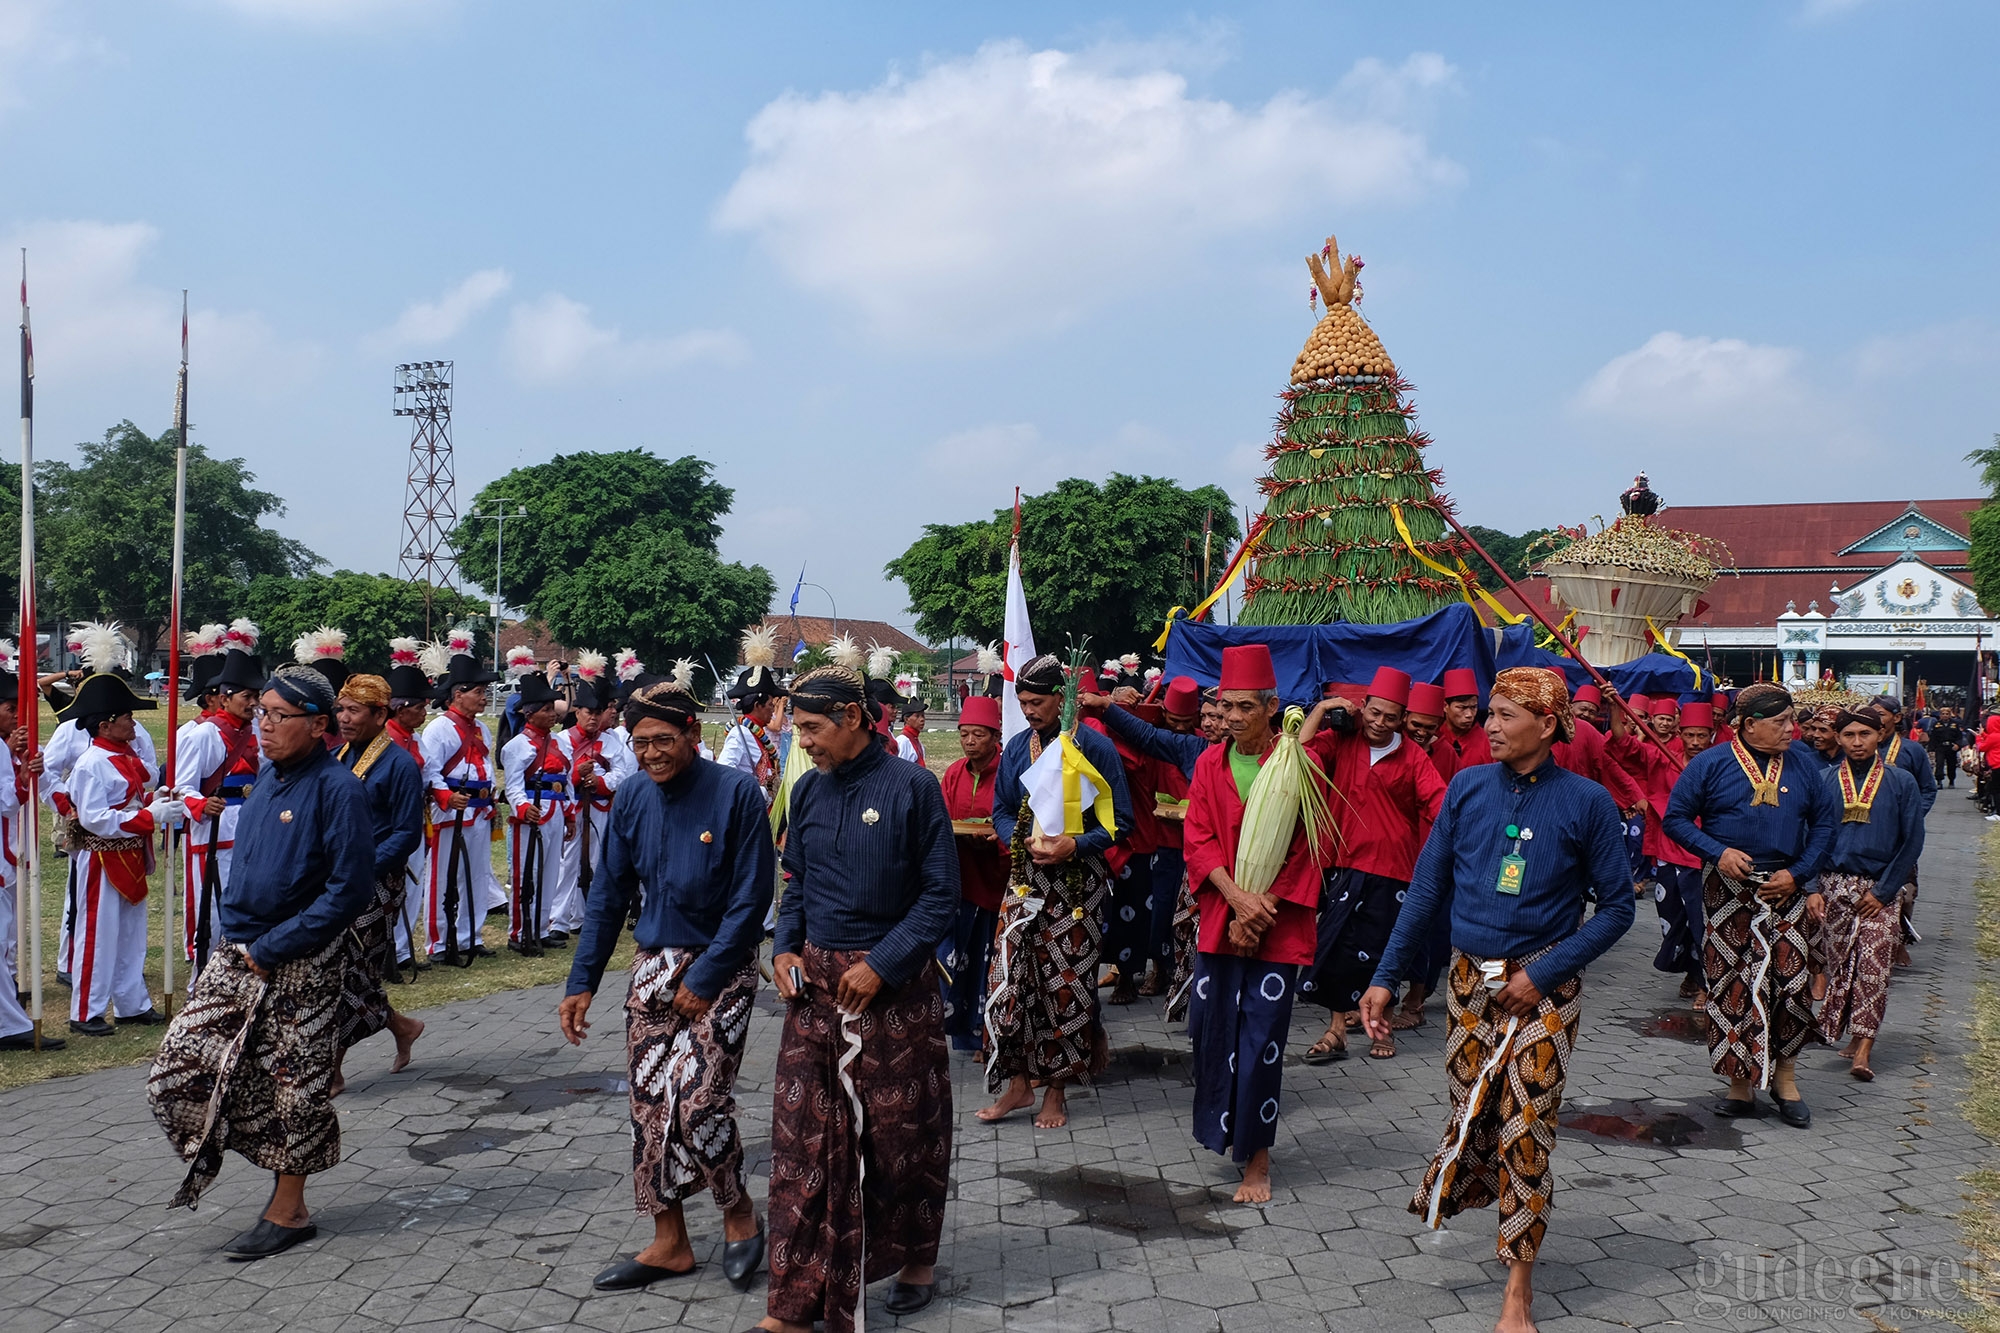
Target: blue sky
883,264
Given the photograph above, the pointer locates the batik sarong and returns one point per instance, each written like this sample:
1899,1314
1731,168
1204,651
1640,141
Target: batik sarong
1238,1017
860,1142
1677,894
1507,1076
1357,914
1041,1011
966,956
1860,955
247,1065
1187,933
364,1004
1759,986
684,1136
1128,918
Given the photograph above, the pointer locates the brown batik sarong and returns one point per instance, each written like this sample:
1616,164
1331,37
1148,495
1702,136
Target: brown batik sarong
684,1136
1041,1010
1187,929
1507,1077
364,1002
1759,981
851,1203
247,1065
1860,956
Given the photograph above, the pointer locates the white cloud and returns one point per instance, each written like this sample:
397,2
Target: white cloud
1014,189
427,322
550,339
94,315
1675,378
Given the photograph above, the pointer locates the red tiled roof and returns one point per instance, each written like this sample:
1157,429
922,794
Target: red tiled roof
1795,538
816,630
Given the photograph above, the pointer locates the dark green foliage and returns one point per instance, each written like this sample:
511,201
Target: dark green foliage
372,608
1984,556
619,550
1511,552
1104,561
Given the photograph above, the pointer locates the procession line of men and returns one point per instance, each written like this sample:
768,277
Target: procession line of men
1492,864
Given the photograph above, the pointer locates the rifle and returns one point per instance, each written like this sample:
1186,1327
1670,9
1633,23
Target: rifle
528,892
451,904
211,892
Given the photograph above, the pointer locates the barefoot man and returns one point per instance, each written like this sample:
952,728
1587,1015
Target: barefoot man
1041,1015
395,787
1510,858
1251,945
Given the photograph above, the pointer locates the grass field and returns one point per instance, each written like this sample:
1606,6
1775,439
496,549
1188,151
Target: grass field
1981,1216
134,1043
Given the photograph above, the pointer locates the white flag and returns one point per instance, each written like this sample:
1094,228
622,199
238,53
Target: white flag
1018,647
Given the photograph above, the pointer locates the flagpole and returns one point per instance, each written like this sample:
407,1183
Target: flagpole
27,698
170,942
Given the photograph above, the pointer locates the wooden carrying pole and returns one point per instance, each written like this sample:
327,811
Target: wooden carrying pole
1610,691
170,942
28,664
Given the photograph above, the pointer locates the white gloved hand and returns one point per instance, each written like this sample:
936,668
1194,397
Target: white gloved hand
168,812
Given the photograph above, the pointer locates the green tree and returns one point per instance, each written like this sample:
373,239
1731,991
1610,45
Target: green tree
1105,561
105,528
620,549
372,608
1511,552
1984,557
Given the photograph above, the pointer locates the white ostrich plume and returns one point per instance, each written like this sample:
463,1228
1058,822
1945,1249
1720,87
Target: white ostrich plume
242,634
206,641
881,661
319,645
990,661
1130,661
101,646
434,659
844,651
684,673
520,660
590,665
404,652
629,665
7,651
458,641
760,646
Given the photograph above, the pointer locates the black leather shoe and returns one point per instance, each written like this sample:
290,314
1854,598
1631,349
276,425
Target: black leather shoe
152,1018
25,1041
477,951
631,1275
266,1239
909,1297
1794,1113
62,978
556,937
524,948
1729,1108
740,1259
96,1027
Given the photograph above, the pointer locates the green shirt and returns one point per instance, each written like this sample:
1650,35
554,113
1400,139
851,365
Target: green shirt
1243,767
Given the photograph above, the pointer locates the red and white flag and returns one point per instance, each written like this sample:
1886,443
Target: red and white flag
1018,648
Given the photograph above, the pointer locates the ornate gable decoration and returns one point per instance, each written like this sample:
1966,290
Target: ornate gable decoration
1909,590
1911,531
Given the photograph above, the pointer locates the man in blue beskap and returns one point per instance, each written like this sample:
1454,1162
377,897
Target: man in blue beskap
249,1063
1516,848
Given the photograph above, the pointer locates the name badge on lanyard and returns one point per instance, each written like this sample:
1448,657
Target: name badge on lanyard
1512,869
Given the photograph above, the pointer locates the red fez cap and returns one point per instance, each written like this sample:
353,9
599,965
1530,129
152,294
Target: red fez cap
1150,714
1390,685
1248,667
1087,682
1719,700
1664,706
1638,703
1587,694
1460,683
1698,715
980,711
1426,699
1183,696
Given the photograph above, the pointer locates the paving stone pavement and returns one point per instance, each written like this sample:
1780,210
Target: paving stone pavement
485,1186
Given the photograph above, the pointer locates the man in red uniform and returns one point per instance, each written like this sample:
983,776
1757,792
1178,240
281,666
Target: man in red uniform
1421,723
982,872
1587,703
1462,731
1420,727
1392,791
1673,871
1252,945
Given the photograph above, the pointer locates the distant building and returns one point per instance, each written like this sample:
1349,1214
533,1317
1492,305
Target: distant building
1880,586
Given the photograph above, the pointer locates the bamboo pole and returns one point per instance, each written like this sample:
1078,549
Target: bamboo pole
27,697
169,942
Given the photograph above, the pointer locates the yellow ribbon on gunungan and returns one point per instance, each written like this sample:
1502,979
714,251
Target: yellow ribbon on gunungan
1466,585
1562,627
1236,564
1074,768
1660,637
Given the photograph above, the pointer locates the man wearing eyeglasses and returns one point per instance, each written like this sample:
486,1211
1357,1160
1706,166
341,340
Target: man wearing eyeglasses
249,1063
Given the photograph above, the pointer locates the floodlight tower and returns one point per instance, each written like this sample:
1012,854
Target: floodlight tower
423,394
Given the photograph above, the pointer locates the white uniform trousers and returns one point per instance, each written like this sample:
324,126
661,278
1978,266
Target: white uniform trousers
108,949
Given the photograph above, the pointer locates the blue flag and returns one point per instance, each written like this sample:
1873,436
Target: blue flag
799,652
796,588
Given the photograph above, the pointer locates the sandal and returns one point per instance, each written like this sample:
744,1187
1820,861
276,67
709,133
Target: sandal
1405,1020
1326,1051
1382,1050
1353,1018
